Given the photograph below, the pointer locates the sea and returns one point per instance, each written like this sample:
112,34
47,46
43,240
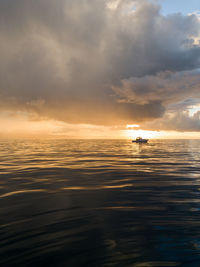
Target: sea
99,203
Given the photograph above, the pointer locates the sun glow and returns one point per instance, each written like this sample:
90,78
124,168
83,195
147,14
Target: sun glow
132,126
133,134
133,131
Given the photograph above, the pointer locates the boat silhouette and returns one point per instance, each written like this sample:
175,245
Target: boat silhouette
140,140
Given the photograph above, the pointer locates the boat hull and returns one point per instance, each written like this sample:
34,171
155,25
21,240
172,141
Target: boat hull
140,141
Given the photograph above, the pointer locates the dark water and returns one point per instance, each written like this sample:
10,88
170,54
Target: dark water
99,203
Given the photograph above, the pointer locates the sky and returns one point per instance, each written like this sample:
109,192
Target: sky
80,68
176,6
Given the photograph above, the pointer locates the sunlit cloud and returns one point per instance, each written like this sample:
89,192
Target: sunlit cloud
194,109
113,4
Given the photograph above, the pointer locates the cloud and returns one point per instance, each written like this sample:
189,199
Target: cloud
176,121
165,87
97,62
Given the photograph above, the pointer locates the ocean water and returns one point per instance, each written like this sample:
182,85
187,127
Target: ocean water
99,203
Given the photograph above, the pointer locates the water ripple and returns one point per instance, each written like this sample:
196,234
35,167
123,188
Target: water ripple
99,203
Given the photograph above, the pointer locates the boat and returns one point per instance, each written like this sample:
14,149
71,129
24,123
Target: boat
140,140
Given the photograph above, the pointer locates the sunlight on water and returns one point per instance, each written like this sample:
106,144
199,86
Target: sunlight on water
99,203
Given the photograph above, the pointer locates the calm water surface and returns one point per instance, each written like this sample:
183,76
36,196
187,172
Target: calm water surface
99,203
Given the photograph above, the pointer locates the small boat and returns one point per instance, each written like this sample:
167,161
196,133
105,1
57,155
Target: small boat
140,140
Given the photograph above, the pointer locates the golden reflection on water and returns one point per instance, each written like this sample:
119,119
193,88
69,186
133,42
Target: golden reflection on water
97,187
22,192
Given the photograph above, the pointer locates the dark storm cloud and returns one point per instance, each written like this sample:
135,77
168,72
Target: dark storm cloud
92,61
